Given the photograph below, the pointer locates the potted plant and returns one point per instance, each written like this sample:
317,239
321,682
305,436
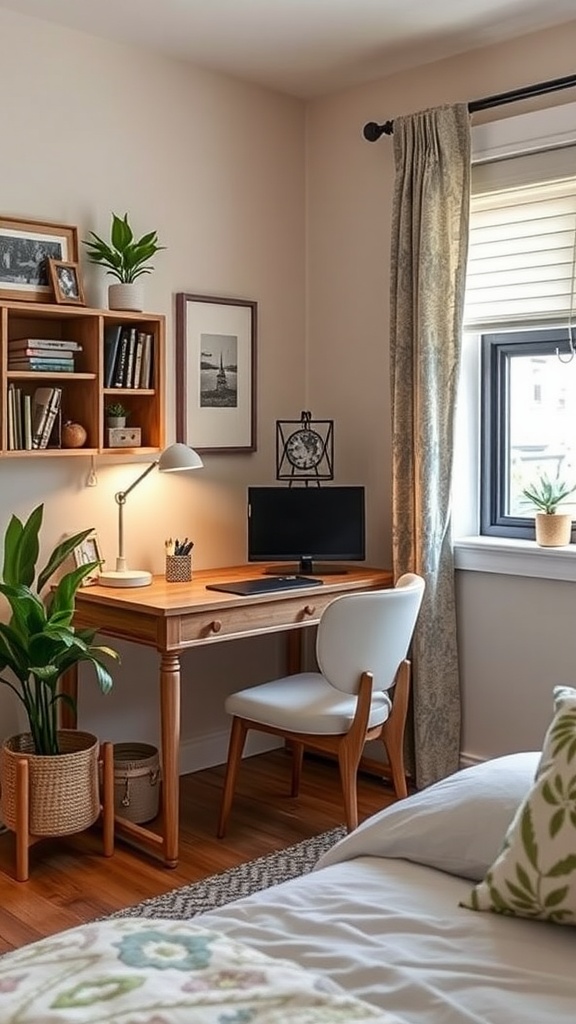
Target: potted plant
38,645
552,529
116,414
126,259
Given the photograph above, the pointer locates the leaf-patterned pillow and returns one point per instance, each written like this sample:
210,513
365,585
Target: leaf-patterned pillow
534,874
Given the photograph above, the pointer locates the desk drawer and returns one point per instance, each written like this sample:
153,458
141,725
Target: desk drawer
267,614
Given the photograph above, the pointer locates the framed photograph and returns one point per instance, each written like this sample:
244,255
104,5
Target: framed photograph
25,249
66,283
216,373
88,551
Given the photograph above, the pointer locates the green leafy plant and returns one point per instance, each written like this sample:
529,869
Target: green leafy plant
546,494
125,257
39,642
117,409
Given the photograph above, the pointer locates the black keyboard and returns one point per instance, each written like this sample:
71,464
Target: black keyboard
265,584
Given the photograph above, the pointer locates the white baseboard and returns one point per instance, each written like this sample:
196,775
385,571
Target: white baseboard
468,760
211,750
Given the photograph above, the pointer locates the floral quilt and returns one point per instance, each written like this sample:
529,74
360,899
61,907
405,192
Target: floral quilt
141,971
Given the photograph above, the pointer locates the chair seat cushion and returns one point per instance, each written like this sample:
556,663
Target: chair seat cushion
305,703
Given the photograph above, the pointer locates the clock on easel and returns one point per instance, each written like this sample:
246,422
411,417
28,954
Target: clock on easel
305,449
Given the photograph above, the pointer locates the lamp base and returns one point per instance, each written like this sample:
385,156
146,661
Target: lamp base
125,578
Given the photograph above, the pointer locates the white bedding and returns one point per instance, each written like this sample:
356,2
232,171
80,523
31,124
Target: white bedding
391,930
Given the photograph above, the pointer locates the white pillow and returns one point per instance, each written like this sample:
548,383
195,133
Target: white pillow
534,874
455,825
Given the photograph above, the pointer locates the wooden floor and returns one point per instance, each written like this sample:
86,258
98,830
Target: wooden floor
71,883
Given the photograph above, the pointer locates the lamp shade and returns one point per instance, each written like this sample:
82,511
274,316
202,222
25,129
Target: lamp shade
179,456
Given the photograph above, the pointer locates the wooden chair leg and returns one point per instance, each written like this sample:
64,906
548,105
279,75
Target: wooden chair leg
394,728
107,758
235,748
348,765
297,759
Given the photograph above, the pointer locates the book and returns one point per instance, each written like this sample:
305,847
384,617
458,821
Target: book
146,373
18,418
53,412
120,369
40,353
27,399
11,417
14,344
112,336
129,370
137,375
31,363
41,404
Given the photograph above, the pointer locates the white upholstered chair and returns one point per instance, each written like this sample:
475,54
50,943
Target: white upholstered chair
360,693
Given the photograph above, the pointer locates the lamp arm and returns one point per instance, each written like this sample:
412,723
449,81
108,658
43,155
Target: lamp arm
120,499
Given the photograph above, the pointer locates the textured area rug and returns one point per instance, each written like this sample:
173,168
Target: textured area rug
215,891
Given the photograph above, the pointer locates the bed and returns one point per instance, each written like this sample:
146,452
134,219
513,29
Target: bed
404,921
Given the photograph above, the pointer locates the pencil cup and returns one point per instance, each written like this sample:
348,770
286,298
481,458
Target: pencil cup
178,568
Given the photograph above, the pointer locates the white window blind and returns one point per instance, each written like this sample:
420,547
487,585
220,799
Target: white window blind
521,250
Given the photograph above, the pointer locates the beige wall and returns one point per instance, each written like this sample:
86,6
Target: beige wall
508,661
220,168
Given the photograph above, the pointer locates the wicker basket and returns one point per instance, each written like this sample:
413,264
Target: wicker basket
63,788
136,781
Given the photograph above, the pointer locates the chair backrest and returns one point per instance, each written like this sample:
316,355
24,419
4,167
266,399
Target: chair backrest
368,632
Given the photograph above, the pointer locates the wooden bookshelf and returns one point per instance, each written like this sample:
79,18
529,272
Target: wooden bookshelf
84,396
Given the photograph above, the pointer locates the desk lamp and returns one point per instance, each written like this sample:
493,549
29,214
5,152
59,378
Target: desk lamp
174,458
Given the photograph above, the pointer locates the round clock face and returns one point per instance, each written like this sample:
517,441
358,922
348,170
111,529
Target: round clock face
304,449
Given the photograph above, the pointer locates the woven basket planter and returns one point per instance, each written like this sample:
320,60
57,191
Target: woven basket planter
63,788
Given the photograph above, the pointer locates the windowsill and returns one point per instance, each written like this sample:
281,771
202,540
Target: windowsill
511,557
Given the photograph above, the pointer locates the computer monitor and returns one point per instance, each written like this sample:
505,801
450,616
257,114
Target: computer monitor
302,524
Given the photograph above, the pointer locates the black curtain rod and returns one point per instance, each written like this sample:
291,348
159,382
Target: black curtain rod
372,131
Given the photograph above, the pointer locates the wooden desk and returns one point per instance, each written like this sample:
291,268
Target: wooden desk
173,617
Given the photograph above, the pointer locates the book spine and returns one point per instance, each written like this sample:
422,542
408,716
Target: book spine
67,365
27,422
147,361
40,408
121,361
51,414
129,372
111,341
18,442
48,343
11,417
137,376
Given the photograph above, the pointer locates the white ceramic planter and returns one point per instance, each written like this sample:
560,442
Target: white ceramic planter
553,531
126,296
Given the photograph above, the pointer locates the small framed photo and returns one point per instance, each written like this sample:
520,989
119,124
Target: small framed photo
216,373
88,551
66,283
25,248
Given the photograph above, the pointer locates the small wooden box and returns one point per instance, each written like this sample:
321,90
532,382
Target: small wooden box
124,437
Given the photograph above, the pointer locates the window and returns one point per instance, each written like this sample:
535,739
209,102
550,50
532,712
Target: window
528,412
519,303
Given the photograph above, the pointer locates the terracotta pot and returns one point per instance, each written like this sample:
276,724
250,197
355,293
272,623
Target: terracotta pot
553,531
63,788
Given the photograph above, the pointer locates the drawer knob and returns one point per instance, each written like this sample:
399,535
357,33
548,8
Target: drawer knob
309,609
215,626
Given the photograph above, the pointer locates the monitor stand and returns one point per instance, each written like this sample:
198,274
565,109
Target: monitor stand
306,567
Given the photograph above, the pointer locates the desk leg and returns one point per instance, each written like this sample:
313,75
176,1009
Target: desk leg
170,730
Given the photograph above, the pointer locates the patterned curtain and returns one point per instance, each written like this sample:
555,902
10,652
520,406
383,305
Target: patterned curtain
429,252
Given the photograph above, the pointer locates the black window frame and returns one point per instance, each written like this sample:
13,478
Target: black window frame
496,351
